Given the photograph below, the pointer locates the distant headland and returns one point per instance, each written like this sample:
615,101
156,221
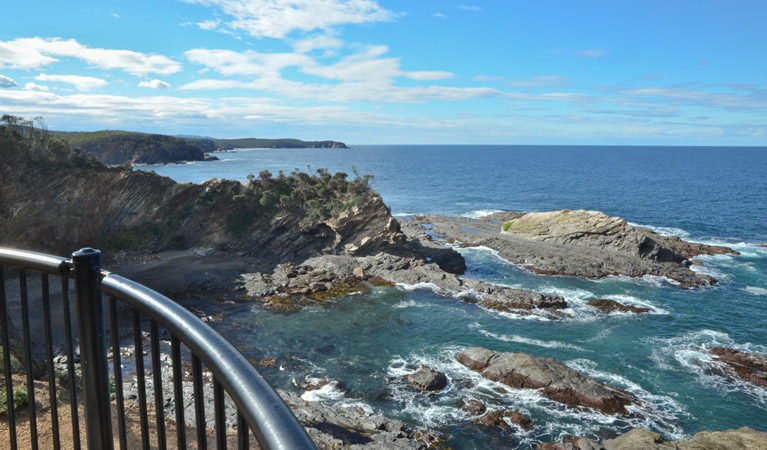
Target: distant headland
114,147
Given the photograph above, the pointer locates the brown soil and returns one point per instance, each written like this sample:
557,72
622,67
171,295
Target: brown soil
45,438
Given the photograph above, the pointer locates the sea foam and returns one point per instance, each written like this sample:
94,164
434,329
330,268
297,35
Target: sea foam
755,290
529,341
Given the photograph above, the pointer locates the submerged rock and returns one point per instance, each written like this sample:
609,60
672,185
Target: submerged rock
557,381
427,379
750,367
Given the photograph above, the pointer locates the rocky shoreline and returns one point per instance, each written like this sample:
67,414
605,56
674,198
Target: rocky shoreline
637,439
290,241
573,243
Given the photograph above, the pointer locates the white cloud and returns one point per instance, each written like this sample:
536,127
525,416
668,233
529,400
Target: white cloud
439,15
34,53
209,24
322,41
79,82
469,8
363,66
36,87
424,75
278,18
250,62
744,97
6,82
155,84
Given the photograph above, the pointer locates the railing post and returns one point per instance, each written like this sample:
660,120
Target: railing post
93,349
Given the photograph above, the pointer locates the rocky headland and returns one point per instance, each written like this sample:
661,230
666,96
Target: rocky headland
114,147
576,243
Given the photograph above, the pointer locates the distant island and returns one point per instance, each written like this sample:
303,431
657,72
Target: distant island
114,147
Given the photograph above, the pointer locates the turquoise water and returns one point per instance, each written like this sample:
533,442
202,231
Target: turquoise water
369,342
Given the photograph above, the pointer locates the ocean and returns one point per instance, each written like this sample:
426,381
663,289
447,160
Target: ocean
713,195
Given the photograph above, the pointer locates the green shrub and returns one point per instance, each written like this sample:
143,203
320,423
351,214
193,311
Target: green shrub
506,226
20,399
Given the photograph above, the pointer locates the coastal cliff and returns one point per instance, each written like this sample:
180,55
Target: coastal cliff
119,147
113,147
78,202
117,210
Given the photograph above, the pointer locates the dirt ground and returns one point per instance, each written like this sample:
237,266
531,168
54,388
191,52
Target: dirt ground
133,428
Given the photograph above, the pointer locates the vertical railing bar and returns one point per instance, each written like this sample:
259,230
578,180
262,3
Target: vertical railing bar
70,363
159,399
220,415
7,363
138,353
51,369
28,357
199,403
118,374
243,433
93,349
178,392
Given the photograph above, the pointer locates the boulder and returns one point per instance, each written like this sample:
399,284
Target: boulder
557,381
427,379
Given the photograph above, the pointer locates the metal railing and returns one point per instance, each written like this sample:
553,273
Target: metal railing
259,408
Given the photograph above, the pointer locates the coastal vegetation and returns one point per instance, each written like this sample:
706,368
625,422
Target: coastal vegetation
113,147
121,209
230,144
118,147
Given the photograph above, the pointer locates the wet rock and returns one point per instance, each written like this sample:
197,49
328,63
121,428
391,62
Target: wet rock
315,384
608,306
474,407
506,300
501,418
750,367
557,381
352,427
427,379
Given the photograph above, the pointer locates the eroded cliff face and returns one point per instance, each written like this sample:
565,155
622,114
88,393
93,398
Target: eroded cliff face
49,207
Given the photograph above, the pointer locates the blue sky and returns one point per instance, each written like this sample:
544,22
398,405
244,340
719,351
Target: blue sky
394,72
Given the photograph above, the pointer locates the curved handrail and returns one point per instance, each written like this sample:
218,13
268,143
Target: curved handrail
267,415
273,423
32,260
